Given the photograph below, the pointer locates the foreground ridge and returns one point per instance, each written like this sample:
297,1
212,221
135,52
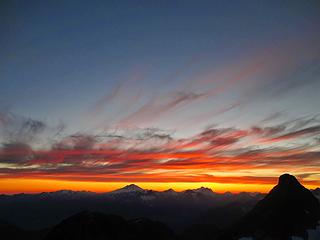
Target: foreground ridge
289,209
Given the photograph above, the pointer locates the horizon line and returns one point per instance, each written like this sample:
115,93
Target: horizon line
144,189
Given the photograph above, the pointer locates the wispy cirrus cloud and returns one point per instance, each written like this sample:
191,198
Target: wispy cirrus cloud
129,144
20,129
156,155
158,107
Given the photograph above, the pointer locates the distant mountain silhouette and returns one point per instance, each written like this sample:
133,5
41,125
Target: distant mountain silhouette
288,210
99,226
132,188
176,209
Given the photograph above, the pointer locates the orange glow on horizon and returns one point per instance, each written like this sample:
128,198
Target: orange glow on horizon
13,186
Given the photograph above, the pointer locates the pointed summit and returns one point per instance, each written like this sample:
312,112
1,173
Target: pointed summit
288,210
288,180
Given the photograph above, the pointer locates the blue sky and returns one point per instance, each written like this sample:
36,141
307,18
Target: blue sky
59,59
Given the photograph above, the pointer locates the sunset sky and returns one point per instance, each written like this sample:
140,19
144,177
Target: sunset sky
164,94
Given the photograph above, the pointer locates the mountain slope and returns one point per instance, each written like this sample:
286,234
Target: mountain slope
98,226
288,210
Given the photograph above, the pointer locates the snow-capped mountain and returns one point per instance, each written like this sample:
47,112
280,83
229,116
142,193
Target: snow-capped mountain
132,188
129,201
204,190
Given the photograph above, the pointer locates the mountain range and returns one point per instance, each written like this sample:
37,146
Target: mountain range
288,210
177,209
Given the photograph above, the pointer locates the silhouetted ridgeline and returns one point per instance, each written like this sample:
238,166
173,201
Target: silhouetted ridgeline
288,210
176,209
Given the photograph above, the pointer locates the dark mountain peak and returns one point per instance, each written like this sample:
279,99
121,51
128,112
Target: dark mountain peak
289,209
289,187
287,180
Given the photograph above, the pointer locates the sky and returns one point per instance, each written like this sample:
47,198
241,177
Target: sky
165,94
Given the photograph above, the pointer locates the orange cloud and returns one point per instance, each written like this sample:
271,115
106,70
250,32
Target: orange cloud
215,156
